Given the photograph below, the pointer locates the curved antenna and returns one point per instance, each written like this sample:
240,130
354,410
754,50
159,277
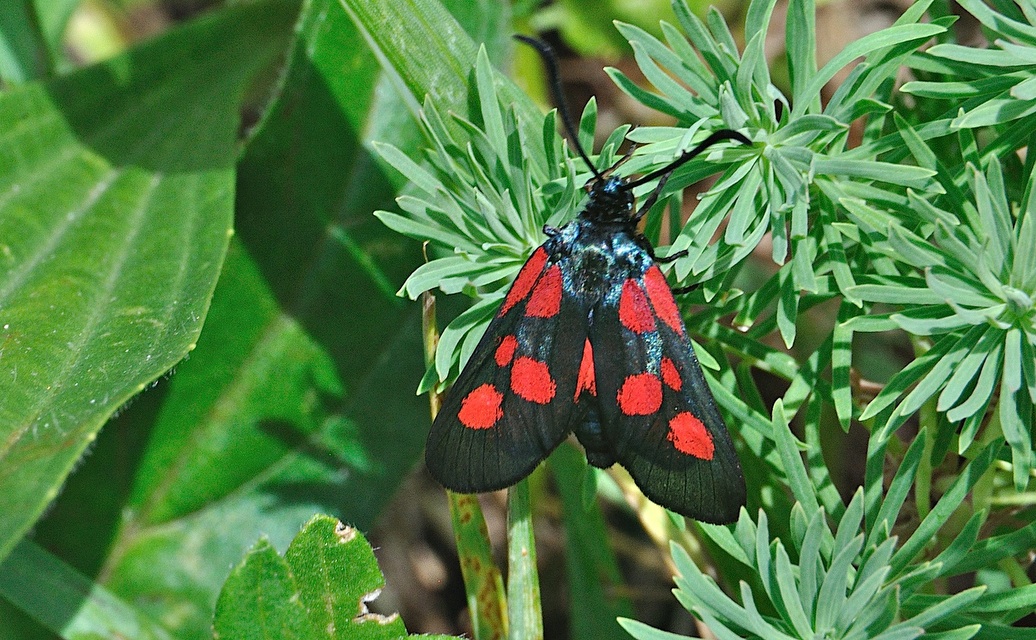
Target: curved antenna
550,60
687,156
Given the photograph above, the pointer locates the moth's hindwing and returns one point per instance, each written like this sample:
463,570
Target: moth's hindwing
656,409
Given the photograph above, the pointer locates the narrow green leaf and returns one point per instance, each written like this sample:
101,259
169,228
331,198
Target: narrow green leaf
798,479
899,488
907,176
831,598
918,368
1015,415
524,617
841,364
789,596
864,602
787,308
1000,22
975,56
595,582
995,112
800,42
948,606
966,372
642,631
962,544
458,330
934,379
68,603
811,564
947,504
884,38
701,38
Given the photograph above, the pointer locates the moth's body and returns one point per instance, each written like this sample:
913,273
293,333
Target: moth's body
589,340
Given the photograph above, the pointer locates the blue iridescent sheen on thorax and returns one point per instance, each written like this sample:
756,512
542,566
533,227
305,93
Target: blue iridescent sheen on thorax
601,248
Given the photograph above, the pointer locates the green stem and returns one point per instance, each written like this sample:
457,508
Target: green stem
523,584
483,582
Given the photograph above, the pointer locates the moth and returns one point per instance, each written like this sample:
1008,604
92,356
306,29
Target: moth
589,340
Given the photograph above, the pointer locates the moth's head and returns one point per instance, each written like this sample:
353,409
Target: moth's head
610,200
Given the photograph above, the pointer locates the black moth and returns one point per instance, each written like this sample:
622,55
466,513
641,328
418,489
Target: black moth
589,340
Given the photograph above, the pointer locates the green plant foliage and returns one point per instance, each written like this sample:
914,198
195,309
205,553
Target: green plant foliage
113,236
298,397
987,86
39,582
485,196
791,187
852,578
973,289
889,211
319,589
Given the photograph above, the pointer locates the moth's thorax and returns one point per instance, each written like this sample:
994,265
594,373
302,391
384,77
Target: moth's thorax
609,201
598,253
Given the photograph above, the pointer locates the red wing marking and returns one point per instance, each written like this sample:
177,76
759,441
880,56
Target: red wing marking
531,380
586,381
480,409
640,395
661,297
525,280
689,435
670,374
546,297
505,351
634,311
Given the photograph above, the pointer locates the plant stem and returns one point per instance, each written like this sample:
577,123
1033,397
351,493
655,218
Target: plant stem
523,584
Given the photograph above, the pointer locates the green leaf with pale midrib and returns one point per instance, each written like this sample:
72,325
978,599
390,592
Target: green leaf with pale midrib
116,198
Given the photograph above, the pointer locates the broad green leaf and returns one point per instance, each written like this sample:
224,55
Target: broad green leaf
300,395
116,196
53,16
319,589
337,575
429,53
260,600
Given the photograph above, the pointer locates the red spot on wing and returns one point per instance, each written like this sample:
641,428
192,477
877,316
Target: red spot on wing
640,395
526,279
586,381
531,380
480,409
634,311
661,297
505,351
546,297
689,435
671,375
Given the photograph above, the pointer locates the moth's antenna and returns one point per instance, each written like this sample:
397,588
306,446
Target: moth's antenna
687,156
550,60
